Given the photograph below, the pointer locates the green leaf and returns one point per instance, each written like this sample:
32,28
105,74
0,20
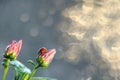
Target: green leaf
21,71
20,67
31,62
41,78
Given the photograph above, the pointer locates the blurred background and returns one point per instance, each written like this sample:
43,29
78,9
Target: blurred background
85,33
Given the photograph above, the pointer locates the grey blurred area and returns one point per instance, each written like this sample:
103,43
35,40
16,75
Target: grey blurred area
85,33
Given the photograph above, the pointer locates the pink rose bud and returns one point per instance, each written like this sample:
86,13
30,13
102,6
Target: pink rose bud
13,49
45,56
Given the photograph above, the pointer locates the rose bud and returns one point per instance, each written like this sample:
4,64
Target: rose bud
45,56
13,49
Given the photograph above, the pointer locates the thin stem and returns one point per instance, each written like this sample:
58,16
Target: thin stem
24,76
33,72
6,67
16,76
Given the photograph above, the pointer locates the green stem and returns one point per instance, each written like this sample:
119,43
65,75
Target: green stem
6,67
24,76
33,72
16,76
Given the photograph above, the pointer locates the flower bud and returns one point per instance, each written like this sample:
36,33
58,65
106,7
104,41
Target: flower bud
45,56
13,49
